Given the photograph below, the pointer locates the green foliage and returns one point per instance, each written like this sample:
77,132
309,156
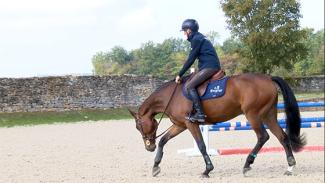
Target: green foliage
113,62
231,46
119,55
213,37
101,62
269,31
314,62
160,60
165,59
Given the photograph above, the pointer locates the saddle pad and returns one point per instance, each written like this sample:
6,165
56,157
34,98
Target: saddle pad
215,89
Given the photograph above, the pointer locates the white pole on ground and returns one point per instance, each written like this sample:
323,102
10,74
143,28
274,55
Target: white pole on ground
205,134
195,150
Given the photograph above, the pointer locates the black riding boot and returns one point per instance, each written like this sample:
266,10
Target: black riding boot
199,116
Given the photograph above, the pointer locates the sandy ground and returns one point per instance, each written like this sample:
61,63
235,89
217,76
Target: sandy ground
113,151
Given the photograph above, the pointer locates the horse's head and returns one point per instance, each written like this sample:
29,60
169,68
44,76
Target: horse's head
147,127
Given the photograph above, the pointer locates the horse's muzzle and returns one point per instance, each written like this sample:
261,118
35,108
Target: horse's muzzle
150,147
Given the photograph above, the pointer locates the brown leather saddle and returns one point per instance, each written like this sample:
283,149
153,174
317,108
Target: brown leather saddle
201,89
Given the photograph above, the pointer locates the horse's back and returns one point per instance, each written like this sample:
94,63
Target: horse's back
244,93
255,91
254,82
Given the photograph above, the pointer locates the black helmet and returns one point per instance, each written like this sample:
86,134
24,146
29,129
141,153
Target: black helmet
190,24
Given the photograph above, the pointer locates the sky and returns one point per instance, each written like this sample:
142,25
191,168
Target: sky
59,37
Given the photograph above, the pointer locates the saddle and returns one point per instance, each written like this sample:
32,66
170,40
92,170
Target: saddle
202,88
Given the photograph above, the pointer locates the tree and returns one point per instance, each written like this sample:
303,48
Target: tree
101,62
213,37
269,30
314,61
231,46
230,59
160,60
116,61
119,55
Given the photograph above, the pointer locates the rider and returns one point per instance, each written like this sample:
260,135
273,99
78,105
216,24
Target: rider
208,65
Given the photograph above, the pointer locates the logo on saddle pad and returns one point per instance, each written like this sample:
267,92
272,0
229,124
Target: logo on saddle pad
214,89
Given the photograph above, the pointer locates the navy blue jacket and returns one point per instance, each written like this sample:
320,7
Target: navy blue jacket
203,49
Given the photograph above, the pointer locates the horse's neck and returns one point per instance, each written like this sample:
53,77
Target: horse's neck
155,103
151,106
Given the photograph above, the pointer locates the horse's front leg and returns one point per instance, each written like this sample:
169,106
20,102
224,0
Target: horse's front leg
172,132
196,133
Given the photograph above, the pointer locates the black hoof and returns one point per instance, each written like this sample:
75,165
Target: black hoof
209,168
245,170
288,173
205,175
155,171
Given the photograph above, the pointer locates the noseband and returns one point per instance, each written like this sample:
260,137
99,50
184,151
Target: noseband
146,137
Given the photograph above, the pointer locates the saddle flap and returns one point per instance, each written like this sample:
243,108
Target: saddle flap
212,88
217,76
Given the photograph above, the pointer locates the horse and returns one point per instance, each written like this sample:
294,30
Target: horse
254,95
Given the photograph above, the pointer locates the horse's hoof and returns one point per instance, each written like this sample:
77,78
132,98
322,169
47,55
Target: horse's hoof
209,168
289,170
205,175
288,173
245,170
155,171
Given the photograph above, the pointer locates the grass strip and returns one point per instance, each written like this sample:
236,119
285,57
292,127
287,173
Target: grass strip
35,118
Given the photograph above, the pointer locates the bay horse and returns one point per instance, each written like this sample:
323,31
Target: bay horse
254,95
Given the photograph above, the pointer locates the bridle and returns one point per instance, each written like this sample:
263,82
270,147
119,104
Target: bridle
151,135
144,136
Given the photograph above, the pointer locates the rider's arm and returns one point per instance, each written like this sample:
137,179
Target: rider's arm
192,56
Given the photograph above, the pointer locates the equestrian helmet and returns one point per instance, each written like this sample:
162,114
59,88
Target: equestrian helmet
190,24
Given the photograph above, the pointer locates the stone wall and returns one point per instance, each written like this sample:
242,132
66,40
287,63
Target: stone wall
85,92
69,92
307,83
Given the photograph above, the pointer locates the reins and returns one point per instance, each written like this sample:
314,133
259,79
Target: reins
165,113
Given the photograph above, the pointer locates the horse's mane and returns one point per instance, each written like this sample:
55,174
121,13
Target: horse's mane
160,88
165,84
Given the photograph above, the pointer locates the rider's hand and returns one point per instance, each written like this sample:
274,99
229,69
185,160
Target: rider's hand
178,79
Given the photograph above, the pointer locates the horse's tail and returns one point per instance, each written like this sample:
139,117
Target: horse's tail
293,120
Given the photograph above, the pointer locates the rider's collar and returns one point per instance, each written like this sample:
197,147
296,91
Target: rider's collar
190,37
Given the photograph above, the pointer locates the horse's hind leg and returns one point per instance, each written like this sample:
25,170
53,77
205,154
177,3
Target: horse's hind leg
274,127
262,137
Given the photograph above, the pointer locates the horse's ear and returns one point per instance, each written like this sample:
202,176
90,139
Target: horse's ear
134,114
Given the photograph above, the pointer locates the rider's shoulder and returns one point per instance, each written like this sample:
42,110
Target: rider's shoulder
198,37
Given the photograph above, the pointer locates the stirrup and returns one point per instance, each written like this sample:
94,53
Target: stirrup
200,118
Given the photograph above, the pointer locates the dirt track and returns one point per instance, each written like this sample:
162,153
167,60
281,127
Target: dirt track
113,151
